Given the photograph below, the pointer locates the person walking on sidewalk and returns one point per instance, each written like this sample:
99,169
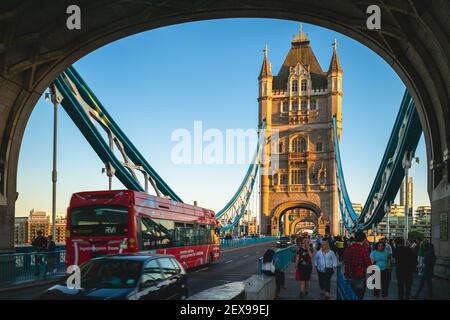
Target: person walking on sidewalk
325,262
356,261
381,257
303,263
420,258
429,259
405,266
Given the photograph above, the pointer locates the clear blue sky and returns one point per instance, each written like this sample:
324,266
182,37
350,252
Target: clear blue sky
158,81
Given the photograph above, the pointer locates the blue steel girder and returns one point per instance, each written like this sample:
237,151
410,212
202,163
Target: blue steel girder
85,110
235,208
404,138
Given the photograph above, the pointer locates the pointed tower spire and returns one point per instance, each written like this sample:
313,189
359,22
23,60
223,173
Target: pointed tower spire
266,69
335,65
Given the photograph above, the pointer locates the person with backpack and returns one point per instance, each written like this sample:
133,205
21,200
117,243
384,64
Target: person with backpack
356,261
269,268
303,263
325,262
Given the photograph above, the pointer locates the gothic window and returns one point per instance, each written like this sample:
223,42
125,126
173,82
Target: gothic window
304,85
313,105
322,177
319,146
304,105
294,87
295,176
298,144
294,105
302,176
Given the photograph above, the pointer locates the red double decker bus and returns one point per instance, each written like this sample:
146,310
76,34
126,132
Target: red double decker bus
114,222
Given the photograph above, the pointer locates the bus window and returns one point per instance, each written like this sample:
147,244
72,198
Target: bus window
154,235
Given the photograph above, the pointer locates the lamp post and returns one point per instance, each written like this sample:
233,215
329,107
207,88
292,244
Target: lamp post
56,99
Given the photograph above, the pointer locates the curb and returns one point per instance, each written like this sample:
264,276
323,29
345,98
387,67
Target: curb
26,285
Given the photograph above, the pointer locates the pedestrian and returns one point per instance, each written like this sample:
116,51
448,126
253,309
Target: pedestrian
340,247
303,263
429,261
356,261
39,245
325,262
420,258
51,255
381,258
269,268
405,265
387,246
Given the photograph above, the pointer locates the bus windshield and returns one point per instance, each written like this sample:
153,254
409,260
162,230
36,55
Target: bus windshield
99,221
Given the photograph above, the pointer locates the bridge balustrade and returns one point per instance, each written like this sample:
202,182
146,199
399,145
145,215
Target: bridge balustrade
344,289
237,243
283,258
23,267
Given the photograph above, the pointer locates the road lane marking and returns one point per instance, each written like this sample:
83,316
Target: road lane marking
247,255
202,269
229,261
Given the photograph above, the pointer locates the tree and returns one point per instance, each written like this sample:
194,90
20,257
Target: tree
416,235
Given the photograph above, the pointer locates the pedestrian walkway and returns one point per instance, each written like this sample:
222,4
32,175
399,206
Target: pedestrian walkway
292,291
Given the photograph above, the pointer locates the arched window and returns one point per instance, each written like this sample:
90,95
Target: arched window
294,87
295,105
319,146
304,105
322,177
304,85
298,144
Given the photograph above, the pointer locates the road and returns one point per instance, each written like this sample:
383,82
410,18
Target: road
234,265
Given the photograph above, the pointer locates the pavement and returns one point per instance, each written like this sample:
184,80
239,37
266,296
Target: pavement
292,290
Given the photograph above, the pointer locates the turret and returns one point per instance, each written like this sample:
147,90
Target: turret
265,90
334,76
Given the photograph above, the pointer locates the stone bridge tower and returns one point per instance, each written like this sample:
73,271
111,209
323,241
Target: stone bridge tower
298,106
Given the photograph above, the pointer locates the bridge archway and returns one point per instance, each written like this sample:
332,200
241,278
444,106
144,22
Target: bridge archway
37,46
282,224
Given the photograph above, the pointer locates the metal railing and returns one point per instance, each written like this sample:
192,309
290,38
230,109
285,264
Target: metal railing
344,287
237,243
24,267
283,258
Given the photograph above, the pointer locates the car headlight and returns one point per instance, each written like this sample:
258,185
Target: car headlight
278,242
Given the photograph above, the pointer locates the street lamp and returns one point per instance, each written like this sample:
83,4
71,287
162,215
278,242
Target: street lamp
56,99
